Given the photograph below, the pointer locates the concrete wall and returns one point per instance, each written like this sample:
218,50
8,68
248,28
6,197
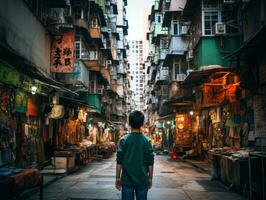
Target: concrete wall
255,18
23,32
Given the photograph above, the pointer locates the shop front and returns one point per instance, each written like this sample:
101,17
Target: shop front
24,104
224,113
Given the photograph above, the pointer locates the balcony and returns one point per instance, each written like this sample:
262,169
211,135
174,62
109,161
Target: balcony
121,69
158,30
120,81
113,27
163,53
178,45
120,44
162,76
179,77
114,54
95,32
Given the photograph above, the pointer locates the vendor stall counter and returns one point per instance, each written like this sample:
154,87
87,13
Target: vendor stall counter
231,171
257,176
12,183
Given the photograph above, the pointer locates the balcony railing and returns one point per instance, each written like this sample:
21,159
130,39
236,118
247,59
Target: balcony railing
163,53
95,32
179,77
162,75
121,69
178,45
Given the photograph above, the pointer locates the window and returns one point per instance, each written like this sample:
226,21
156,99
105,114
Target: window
175,28
140,42
79,13
94,23
164,43
93,55
77,49
177,68
210,19
158,19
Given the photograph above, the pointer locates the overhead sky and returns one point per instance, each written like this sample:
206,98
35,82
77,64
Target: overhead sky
137,14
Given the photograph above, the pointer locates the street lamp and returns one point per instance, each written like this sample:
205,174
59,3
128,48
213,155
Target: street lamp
33,89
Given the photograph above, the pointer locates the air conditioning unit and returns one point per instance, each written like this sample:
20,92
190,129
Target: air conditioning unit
108,62
220,28
229,1
100,91
184,30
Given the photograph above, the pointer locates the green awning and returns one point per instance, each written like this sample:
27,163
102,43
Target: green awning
92,100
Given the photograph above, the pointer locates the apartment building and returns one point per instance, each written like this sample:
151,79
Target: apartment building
137,71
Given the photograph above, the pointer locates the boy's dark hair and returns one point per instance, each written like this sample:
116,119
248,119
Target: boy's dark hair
136,119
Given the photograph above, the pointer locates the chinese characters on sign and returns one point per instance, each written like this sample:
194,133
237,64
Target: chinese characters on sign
62,55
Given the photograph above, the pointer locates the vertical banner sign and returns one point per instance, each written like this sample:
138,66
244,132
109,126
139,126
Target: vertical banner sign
62,52
21,101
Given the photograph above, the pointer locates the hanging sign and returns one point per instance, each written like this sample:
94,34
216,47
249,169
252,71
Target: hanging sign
213,94
62,52
21,101
8,74
32,106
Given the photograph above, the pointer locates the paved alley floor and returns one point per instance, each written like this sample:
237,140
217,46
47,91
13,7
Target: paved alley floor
172,181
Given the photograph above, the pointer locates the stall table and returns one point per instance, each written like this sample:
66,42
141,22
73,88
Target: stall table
231,171
257,176
12,186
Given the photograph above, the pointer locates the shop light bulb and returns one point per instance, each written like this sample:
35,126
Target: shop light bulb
191,113
33,89
168,122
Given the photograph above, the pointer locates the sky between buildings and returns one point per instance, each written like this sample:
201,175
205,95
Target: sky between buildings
137,14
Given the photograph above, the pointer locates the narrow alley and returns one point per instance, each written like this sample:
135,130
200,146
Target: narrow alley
82,81
173,180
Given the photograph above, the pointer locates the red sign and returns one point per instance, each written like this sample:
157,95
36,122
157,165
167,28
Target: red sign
213,94
32,106
62,52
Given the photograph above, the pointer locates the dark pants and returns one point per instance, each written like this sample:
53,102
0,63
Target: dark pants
128,192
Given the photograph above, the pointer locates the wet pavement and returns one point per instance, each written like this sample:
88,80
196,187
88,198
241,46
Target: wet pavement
172,181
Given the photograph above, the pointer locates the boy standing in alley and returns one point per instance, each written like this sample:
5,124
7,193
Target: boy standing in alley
135,159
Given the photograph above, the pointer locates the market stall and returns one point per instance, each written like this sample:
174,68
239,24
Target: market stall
13,181
231,166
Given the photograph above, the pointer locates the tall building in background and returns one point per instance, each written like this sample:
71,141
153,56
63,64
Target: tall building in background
137,71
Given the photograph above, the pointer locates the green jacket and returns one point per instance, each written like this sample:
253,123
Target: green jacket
135,154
